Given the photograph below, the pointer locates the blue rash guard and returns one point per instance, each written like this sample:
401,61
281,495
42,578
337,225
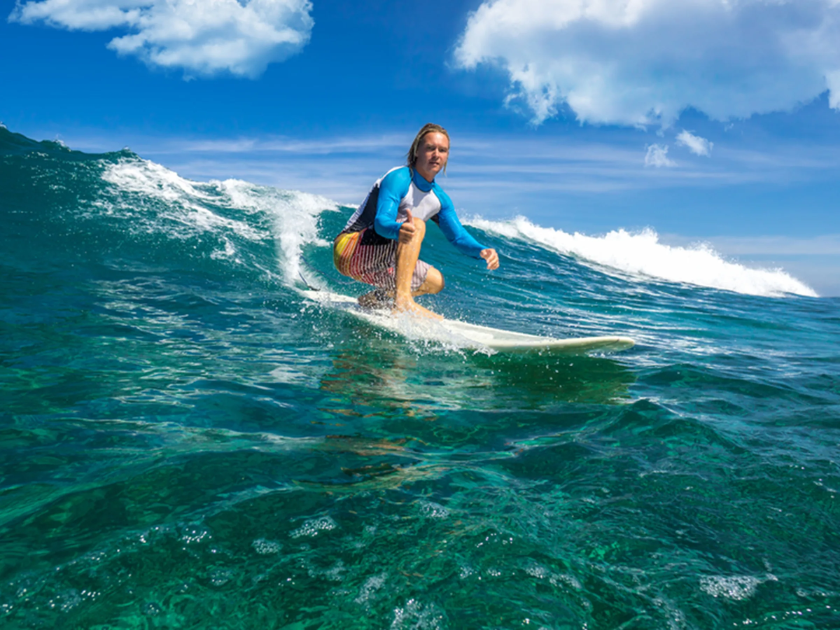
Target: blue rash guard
402,189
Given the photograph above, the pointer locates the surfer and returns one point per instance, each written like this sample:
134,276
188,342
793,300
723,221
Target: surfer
380,245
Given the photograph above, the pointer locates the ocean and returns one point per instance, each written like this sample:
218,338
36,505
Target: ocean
188,443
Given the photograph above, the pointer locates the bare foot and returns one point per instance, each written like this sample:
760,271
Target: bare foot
413,308
376,299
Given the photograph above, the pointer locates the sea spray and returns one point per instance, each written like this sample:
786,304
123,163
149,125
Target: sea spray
295,217
186,442
157,199
642,255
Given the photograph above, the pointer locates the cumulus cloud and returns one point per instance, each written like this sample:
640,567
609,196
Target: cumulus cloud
657,156
695,144
203,37
642,62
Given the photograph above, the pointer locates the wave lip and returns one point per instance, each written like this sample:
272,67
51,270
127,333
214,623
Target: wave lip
159,200
643,254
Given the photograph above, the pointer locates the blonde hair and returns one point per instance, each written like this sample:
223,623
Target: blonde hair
411,156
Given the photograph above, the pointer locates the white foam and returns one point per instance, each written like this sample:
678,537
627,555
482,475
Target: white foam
220,576
370,587
313,527
416,615
266,547
434,510
294,215
183,208
737,587
641,254
184,202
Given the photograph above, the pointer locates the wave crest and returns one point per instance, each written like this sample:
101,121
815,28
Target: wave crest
157,199
642,254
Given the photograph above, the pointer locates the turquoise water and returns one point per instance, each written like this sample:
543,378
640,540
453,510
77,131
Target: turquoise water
187,443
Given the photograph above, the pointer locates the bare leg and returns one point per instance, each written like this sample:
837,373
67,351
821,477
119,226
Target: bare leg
433,283
380,298
407,256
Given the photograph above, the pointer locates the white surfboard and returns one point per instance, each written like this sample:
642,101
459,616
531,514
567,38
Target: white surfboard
467,335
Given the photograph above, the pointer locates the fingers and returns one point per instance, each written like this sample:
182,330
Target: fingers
491,257
407,229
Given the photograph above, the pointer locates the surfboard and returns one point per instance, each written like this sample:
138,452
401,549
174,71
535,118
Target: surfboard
466,335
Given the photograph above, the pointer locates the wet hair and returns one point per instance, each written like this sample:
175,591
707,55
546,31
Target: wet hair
411,156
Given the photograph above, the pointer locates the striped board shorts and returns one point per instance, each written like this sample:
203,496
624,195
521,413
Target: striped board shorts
367,257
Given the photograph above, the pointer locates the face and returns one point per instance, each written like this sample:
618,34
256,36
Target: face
432,154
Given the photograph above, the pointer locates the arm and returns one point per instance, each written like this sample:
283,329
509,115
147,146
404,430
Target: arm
391,190
453,230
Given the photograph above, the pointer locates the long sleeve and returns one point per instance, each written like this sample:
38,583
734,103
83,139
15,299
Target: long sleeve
453,230
391,190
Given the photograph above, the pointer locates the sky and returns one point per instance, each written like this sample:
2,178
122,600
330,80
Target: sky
704,120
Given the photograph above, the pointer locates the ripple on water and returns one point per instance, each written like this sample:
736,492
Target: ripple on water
416,615
313,527
736,587
266,547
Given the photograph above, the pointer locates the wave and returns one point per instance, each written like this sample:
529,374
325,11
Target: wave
293,219
268,229
642,256
233,211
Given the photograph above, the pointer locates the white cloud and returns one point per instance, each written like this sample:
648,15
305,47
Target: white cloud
203,37
833,81
695,144
657,156
642,62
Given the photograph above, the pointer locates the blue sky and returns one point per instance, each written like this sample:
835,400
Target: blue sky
705,120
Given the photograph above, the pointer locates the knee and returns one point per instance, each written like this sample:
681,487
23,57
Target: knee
434,281
419,227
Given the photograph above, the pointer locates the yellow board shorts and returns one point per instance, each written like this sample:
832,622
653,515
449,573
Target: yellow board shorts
367,257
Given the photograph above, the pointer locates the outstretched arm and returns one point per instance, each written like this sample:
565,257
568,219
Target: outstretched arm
460,238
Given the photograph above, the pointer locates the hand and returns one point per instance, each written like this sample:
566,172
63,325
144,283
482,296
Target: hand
491,257
407,229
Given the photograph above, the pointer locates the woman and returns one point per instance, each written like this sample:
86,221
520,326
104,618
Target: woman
380,245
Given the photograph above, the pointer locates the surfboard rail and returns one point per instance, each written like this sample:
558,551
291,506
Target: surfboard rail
473,335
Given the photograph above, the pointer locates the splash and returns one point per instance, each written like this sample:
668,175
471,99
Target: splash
164,201
641,254
157,199
235,212
294,216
